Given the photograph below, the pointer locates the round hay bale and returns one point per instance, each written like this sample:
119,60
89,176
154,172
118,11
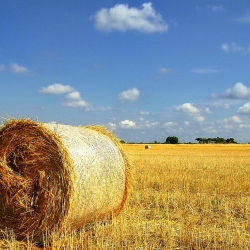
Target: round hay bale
54,176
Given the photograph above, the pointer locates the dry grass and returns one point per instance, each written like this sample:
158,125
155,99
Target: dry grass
30,185
183,197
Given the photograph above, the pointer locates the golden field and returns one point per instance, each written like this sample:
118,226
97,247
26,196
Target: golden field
181,197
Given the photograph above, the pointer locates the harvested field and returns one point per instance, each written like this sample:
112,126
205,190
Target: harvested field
182,197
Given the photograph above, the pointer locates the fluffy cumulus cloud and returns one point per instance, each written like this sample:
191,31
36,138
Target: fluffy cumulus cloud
129,95
234,119
199,119
57,89
17,69
127,124
73,97
239,91
245,109
187,108
75,100
122,17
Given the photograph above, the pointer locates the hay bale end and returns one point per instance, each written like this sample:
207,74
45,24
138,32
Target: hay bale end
54,176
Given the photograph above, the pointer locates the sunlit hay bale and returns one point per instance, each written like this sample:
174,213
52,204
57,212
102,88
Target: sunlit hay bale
56,176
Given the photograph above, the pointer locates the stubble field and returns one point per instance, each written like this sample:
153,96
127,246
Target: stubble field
181,197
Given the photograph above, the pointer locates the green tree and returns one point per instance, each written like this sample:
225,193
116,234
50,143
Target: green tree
172,140
230,140
199,139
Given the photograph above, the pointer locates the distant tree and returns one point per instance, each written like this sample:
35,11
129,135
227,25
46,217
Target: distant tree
172,140
205,140
230,140
122,141
200,140
219,140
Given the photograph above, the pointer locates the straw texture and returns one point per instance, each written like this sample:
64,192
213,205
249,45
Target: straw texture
54,176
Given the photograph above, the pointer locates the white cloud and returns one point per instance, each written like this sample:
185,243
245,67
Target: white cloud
144,113
57,89
112,126
150,124
234,47
75,95
187,108
239,91
74,100
207,110
77,104
199,119
205,71
235,119
214,95
2,67
210,130
17,69
127,124
172,127
169,124
121,17
222,102
225,47
226,106
245,109
129,95
164,70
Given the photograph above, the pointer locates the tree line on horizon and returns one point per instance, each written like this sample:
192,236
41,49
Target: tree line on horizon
175,140
215,140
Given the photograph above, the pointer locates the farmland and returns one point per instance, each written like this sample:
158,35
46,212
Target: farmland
181,197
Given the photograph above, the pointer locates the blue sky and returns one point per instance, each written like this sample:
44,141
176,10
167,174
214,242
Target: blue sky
145,70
